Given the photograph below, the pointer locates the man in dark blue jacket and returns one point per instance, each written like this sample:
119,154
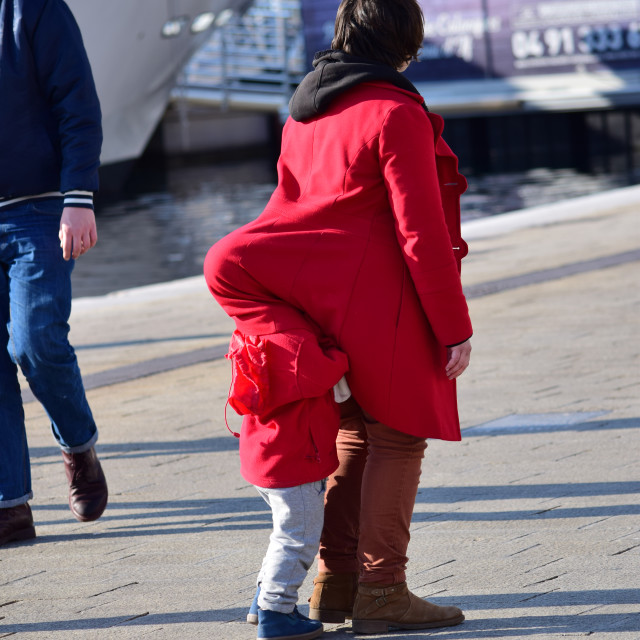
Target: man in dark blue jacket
50,140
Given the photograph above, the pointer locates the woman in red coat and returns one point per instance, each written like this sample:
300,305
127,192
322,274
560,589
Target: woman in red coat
360,247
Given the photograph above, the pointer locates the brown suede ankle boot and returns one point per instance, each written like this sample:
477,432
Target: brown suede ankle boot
378,608
333,596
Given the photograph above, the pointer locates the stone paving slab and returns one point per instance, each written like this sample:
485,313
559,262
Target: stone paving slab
139,324
531,524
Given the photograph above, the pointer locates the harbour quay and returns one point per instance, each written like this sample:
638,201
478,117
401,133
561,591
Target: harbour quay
530,524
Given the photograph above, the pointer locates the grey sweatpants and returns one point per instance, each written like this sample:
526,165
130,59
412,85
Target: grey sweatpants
298,514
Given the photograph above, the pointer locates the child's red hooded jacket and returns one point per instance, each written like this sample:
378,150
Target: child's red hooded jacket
283,384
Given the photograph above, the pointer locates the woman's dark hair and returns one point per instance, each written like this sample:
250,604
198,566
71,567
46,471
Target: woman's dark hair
387,31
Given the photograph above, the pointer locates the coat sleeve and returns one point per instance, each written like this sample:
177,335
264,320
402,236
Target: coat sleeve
66,80
408,164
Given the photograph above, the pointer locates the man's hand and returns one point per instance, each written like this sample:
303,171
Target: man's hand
78,232
458,359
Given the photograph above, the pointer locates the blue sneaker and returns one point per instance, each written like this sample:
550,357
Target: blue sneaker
273,625
252,616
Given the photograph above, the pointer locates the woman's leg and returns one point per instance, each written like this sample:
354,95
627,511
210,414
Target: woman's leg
335,585
389,488
341,532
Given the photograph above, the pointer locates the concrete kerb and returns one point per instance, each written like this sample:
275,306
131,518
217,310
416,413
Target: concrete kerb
147,293
543,215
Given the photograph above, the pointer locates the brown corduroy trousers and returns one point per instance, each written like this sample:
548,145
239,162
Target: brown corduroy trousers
370,499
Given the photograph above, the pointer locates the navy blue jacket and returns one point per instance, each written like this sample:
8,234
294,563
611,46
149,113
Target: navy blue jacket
50,121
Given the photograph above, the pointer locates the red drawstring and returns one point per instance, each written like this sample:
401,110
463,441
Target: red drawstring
237,435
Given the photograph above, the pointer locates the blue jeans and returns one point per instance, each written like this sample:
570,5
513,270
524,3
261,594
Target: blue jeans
35,304
297,514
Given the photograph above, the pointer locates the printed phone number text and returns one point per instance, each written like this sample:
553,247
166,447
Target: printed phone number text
566,41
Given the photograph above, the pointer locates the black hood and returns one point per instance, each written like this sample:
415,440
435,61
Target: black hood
334,72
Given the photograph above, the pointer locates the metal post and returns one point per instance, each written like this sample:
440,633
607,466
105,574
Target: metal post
489,70
281,40
183,113
224,106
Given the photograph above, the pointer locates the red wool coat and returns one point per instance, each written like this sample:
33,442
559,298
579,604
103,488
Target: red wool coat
282,384
360,242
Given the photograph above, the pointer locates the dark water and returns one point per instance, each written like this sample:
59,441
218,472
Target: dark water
162,227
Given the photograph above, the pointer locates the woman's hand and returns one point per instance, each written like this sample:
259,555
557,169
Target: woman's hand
458,359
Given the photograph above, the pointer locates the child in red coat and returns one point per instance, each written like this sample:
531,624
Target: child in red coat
282,383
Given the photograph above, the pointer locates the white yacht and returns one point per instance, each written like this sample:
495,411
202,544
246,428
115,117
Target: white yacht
137,48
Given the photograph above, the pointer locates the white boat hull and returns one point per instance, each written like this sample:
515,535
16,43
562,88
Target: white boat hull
134,66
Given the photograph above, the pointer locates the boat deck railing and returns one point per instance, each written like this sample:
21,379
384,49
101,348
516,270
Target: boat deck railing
252,62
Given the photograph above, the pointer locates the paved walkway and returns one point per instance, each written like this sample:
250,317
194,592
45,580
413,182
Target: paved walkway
531,524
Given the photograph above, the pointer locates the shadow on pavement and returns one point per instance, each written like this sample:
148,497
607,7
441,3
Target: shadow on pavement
472,629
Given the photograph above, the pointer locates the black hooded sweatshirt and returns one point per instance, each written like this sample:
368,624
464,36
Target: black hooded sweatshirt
334,73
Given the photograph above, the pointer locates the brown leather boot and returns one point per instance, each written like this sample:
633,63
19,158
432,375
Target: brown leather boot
16,523
333,596
88,492
377,608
